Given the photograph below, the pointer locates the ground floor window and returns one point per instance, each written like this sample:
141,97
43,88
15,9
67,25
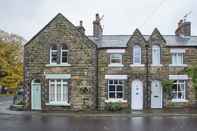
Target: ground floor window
115,89
178,90
58,91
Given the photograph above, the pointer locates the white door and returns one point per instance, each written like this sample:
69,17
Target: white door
137,95
156,94
36,95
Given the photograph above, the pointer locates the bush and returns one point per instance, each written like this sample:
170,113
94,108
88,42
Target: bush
113,106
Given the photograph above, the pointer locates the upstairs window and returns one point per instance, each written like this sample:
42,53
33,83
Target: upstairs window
156,55
177,58
64,54
115,59
53,55
136,54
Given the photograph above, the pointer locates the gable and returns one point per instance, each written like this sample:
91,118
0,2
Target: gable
61,29
136,38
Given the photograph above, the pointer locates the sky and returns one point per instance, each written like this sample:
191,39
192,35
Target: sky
121,17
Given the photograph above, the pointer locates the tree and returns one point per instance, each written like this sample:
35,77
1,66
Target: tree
11,67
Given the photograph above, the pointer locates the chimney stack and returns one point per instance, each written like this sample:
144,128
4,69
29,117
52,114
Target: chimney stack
183,29
97,28
80,27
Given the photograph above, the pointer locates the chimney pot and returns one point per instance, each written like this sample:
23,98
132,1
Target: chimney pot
97,28
80,27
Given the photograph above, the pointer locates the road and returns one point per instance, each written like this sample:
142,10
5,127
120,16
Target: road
31,122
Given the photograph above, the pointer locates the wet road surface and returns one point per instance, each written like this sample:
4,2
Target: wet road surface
68,123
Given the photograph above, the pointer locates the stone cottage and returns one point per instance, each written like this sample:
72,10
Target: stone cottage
66,70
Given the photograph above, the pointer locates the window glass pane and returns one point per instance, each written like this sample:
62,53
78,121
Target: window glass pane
115,81
116,58
111,87
110,81
155,54
64,57
136,55
111,94
65,92
119,95
58,90
51,91
119,88
54,56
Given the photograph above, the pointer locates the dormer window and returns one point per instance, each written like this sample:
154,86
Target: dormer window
64,54
136,55
53,55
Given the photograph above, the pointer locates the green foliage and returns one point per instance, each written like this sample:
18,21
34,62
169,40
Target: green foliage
192,72
167,86
11,64
113,106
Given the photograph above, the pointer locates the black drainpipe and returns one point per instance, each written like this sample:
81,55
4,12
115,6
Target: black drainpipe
147,77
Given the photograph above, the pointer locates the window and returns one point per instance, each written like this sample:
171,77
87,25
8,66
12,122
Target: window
53,55
115,59
136,54
115,89
178,90
155,55
64,54
58,91
177,58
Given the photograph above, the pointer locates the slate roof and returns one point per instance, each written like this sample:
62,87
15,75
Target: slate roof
120,41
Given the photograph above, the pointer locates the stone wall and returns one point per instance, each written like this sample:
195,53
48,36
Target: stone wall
82,58
154,72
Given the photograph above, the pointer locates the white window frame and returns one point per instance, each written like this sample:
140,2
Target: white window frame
178,83
118,64
62,82
156,55
108,92
135,49
51,52
177,57
64,50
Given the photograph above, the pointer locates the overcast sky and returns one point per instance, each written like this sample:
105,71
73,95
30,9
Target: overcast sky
27,17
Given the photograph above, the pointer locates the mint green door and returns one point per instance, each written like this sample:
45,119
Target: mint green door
36,95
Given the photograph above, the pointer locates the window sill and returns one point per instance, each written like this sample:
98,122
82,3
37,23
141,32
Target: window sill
115,65
179,100
182,65
58,65
115,100
137,65
57,104
156,65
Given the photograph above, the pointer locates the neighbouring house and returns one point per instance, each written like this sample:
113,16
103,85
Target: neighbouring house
66,70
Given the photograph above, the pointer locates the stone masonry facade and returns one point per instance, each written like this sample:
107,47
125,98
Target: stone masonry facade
88,66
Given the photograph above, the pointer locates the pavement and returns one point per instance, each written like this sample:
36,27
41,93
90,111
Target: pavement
156,120
5,103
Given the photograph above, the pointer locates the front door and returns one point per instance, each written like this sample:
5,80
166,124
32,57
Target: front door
156,94
36,95
137,95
